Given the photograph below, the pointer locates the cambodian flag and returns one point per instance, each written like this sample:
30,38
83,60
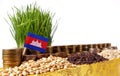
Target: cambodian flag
36,42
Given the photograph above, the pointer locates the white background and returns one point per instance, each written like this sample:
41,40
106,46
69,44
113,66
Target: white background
79,21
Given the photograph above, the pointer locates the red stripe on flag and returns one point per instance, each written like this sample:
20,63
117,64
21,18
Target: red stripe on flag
30,39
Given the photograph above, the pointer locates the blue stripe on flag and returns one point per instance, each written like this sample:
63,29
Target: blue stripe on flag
35,48
37,36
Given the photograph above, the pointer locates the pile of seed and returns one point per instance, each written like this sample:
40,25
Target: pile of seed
110,53
37,67
85,58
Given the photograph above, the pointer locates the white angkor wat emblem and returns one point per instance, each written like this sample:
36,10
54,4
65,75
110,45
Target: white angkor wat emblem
36,43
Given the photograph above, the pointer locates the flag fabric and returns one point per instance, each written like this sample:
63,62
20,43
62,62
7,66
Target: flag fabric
36,42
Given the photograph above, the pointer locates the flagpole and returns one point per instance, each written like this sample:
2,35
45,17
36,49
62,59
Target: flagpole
24,51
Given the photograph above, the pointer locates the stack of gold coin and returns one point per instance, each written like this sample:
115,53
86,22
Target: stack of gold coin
11,57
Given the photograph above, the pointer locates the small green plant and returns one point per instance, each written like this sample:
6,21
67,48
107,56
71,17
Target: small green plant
31,19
